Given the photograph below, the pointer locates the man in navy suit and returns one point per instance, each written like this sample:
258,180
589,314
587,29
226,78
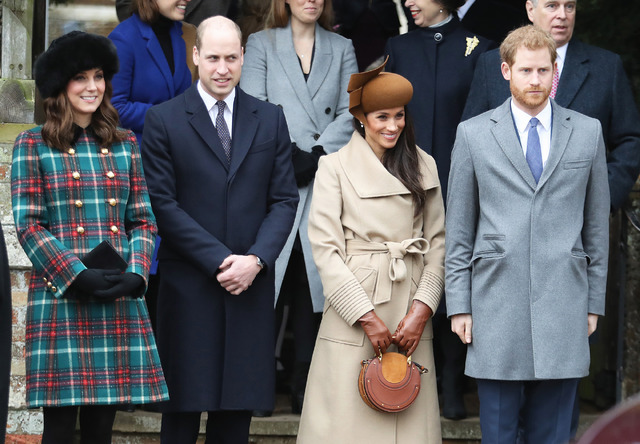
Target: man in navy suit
591,81
219,172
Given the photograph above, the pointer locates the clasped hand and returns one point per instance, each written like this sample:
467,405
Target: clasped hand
238,272
407,335
109,284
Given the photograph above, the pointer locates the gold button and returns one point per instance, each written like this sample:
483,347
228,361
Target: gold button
49,284
114,229
110,175
104,151
76,175
54,289
80,230
71,151
79,203
45,280
113,202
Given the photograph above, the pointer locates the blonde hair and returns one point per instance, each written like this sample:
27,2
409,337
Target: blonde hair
530,37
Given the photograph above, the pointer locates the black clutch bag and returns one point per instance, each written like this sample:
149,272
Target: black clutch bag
104,256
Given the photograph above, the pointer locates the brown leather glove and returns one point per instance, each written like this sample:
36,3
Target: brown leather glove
409,331
376,331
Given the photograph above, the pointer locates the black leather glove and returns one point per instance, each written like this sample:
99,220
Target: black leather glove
305,164
125,284
92,280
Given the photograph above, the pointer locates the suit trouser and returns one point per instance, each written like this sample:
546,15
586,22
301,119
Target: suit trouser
545,408
223,427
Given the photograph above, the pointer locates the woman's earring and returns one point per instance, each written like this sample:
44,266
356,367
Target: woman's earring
441,11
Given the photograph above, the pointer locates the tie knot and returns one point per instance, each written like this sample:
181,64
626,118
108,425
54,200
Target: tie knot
533,122
221,104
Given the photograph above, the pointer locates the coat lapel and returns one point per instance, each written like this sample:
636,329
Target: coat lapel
505,133
202,124
560,132
321,61
156,54
245,125
574,73
291,66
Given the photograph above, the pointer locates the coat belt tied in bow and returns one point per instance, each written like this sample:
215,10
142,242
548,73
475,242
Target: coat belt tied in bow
395,253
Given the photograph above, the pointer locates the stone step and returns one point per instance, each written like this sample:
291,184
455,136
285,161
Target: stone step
141,427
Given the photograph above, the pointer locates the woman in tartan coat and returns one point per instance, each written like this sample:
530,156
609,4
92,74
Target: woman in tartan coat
75,182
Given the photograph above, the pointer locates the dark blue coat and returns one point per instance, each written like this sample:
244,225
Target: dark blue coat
593,82
434,61
145,78
217,349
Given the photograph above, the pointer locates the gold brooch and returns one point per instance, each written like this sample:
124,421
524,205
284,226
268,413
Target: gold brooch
471,45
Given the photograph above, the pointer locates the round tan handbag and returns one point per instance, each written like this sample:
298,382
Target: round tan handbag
390,382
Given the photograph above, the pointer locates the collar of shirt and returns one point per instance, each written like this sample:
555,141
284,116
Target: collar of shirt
562,56
462,10
522,119
210,105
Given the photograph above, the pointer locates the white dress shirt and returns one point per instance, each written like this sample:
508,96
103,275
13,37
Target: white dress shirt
522,119
210,104
562,56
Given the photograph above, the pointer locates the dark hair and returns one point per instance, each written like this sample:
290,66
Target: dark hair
147,10
280,13
451,5
403,161
57,131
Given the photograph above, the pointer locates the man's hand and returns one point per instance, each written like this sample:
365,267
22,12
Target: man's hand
592,322
409,331
238,272
378,333
461,325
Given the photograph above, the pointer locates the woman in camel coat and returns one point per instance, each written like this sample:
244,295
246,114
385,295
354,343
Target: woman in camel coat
377,232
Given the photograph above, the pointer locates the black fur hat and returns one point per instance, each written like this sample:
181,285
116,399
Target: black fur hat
70,54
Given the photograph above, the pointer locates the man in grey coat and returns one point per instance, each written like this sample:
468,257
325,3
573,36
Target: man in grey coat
527,243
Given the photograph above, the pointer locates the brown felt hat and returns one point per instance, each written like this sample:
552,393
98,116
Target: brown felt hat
374,90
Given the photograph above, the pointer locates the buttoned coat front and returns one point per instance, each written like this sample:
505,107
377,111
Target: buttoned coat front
372,252
593,82
217,348
527,261
82,351
316,111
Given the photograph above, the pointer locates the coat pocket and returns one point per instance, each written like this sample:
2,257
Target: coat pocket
333,328
574,164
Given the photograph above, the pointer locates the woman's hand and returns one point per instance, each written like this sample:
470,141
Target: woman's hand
409,331
376,331
94,279
124,284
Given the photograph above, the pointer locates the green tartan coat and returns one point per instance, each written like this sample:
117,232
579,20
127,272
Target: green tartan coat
64,204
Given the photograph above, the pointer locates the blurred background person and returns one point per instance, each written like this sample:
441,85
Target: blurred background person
439,59
299,64
153,69
377,231
77,181
368,23
492,18
196,11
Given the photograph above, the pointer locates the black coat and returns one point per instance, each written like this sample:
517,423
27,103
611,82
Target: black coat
5,333
217,349
593,82
434,61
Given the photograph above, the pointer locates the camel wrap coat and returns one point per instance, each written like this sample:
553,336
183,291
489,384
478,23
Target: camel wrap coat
372,252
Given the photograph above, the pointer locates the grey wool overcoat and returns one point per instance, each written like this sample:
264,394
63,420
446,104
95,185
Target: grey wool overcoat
316,111
527,262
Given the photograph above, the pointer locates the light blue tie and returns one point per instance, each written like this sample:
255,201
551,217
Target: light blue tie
534,154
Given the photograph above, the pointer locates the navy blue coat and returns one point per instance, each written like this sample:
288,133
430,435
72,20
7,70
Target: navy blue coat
434,61
593,82
145,78
217,349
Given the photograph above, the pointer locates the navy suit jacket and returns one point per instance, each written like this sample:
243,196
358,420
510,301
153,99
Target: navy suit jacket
594,83
145,78
217,349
